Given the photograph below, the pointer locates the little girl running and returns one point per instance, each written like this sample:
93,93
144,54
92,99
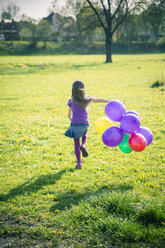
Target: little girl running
78,115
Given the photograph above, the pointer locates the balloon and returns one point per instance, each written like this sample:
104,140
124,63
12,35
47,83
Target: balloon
133,112
115,110
137,142
130,123
124,145
147,134
102,124
112,136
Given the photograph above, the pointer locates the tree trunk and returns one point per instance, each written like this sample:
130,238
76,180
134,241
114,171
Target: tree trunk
108,45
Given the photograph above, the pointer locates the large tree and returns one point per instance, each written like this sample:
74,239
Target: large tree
111,14
107,14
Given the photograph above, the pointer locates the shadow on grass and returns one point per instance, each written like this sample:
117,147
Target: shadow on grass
32,186
72,197
17,69
64,200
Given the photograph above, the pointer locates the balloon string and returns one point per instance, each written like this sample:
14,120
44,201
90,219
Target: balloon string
125,99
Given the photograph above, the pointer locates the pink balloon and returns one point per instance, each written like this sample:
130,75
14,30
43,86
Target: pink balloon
137,142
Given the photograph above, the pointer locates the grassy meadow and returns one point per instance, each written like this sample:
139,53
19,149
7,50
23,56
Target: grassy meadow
117,199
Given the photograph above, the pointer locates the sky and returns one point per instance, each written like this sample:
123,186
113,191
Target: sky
36,9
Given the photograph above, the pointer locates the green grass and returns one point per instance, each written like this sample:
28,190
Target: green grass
116,200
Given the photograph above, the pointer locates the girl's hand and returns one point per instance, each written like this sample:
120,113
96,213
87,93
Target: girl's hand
100,100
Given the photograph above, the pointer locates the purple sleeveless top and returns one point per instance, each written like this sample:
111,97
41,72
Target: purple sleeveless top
79,115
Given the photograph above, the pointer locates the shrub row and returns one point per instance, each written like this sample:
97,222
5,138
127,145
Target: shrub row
24,47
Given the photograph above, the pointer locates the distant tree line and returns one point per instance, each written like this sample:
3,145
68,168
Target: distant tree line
87,22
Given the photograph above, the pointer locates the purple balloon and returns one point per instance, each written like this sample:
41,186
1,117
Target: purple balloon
115,110
112,136
133,112
147,134
130,124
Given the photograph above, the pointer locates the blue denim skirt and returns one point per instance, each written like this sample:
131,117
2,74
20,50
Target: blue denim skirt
76,130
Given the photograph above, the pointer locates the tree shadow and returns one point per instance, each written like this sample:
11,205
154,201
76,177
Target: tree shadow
64,200
32,186
72,197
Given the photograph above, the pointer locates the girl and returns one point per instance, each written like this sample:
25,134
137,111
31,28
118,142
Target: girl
78,115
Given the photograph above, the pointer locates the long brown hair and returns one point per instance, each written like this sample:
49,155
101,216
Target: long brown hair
79,95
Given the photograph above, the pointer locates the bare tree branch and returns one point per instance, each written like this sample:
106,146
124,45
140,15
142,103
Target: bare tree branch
97,14
105,11
121,21
109,7
118,8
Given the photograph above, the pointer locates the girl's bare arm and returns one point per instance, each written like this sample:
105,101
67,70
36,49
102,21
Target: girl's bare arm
100,100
